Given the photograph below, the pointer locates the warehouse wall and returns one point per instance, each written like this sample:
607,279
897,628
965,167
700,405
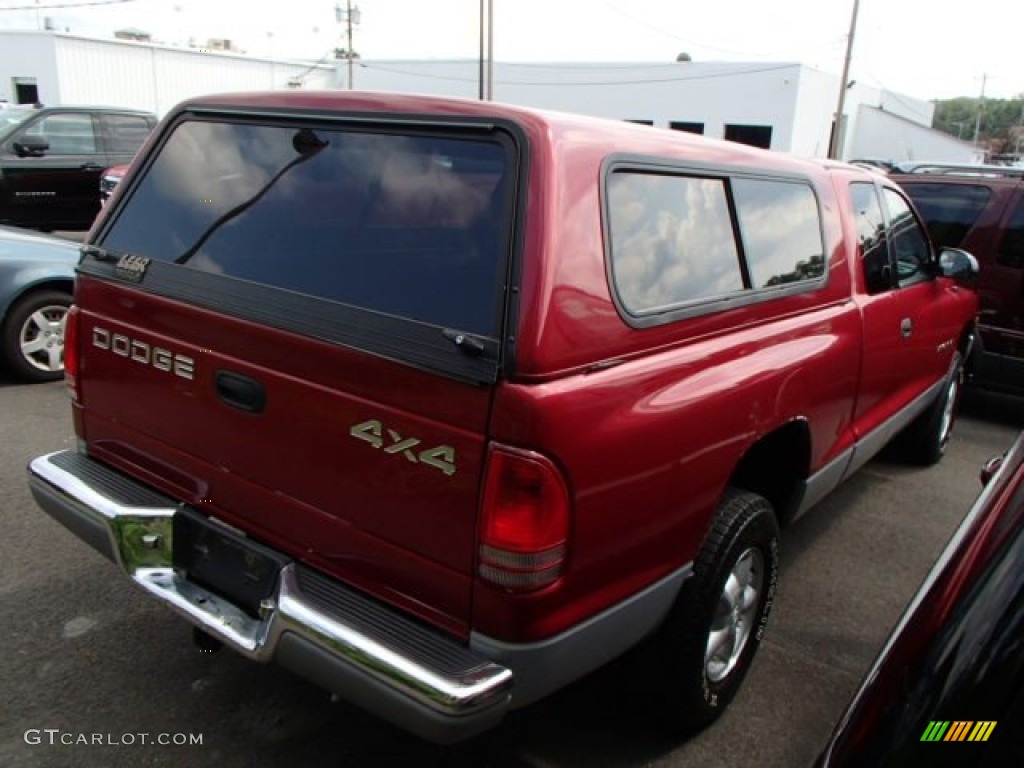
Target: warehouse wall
712,93
78,70
812,117
892,137
794,101
157,78
29,54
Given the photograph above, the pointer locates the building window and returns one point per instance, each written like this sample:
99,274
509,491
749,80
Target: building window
754,135
26,91
678,125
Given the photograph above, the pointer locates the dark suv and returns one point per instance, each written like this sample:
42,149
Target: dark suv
51,159
982,211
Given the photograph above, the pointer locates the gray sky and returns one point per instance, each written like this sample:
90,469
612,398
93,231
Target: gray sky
919,47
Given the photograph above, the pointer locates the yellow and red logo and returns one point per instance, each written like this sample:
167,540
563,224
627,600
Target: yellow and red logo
958,730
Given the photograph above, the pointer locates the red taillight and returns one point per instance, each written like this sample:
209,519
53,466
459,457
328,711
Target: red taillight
525,520
71,351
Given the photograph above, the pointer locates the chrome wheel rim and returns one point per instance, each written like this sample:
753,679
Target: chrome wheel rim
42,338
948,409
734,615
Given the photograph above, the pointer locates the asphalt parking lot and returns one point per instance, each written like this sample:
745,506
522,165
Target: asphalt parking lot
86,653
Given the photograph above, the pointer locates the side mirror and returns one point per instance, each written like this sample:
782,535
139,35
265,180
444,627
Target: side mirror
958,265
31,146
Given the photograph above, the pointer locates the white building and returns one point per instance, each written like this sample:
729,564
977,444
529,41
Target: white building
787,107
782,106
56,68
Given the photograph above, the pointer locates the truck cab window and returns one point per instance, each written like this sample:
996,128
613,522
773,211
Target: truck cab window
909,241
871,237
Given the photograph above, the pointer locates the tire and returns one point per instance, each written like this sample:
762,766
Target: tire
924,442
706,646
32,339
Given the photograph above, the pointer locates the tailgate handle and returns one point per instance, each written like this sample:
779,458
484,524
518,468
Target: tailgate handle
240,392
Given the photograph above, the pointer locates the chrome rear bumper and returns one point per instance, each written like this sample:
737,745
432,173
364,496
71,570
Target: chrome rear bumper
366,652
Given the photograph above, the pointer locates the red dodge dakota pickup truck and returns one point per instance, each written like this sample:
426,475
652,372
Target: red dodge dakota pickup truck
444,404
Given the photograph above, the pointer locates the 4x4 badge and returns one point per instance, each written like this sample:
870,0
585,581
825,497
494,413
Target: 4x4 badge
373,432
132,267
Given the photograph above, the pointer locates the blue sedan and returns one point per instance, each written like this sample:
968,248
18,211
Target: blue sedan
37,275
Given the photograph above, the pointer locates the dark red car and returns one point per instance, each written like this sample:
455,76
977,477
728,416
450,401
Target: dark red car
109,181
981,209
947,688
444,404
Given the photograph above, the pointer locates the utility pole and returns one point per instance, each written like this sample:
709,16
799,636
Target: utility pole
270,54
837,127
981,108
351,16
1020,134
490,50
486,71
480,89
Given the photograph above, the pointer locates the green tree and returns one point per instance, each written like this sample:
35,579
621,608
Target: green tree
1001,119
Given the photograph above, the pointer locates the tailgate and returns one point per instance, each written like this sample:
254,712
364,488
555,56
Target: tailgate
303,341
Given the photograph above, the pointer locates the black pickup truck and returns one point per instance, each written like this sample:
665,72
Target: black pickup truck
51,159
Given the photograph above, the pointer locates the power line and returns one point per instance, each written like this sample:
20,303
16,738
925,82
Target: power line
64,5
660,31
655,28
605,83
323,58
916,109
83,4
588,65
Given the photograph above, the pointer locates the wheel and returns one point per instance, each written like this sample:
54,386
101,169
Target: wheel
925,440
706,645
33,336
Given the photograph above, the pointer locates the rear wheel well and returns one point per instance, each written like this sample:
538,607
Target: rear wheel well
776,466
64,286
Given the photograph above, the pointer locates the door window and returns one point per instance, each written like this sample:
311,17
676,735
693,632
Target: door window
124,133
874,250
910,245
1011,250
68,134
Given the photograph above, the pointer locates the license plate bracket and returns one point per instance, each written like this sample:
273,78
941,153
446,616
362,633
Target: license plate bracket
225,561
